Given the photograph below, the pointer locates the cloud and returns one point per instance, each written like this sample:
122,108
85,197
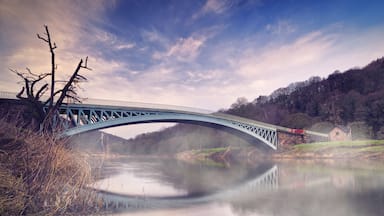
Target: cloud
291,57
281,27
106,39
213,6
155,36
316,53
125,46
73,26
185,49
199,77
25,18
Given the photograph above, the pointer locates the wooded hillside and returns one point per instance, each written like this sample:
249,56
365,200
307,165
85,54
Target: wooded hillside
356,95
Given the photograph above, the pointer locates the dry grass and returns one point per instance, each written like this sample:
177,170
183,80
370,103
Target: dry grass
39,175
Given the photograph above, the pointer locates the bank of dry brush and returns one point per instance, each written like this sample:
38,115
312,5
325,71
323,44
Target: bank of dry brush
40,175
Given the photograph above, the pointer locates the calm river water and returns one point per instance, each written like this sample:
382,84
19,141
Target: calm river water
153,186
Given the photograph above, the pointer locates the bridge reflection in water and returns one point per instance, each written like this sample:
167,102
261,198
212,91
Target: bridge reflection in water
264,183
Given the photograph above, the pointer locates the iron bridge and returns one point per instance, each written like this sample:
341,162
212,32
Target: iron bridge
99,114
79,118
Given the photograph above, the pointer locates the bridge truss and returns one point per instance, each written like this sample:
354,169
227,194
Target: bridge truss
79,118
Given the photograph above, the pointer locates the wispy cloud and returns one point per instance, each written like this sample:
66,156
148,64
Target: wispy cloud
281,27
185,49
124,46
283,58
213,6
70,24
109,40
317,53
155,37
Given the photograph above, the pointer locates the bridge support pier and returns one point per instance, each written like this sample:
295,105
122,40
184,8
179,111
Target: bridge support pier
289,139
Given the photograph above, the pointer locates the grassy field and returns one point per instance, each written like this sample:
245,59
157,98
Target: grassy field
209,151
203,156
358,149
364,144
364,149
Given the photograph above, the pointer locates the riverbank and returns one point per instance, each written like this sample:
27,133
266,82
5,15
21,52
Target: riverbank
39,175
361,149
222,156
213,156
346,150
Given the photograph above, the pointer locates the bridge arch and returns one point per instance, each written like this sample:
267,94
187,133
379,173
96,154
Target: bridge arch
80,118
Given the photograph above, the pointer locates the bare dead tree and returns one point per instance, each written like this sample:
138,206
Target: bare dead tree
31,81
52,47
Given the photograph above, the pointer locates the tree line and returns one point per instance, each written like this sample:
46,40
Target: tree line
356,95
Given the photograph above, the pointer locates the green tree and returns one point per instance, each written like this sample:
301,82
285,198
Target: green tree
375,116
348,106
297,120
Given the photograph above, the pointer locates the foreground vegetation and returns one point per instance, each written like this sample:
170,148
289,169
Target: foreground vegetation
39,175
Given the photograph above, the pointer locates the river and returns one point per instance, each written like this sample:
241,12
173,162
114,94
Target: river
164,186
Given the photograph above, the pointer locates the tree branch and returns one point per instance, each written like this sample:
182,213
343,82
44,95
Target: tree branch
20,93
67,86
41,91
38,36
53,65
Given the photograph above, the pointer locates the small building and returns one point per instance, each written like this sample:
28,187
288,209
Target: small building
340,133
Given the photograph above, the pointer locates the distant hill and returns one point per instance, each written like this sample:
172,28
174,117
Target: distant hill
352,98
356,95
92,141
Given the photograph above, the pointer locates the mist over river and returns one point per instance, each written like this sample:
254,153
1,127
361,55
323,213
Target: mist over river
166,186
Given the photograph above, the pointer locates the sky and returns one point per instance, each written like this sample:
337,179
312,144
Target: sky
195,53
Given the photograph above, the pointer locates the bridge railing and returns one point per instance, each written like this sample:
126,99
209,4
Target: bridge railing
244,120
117,103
